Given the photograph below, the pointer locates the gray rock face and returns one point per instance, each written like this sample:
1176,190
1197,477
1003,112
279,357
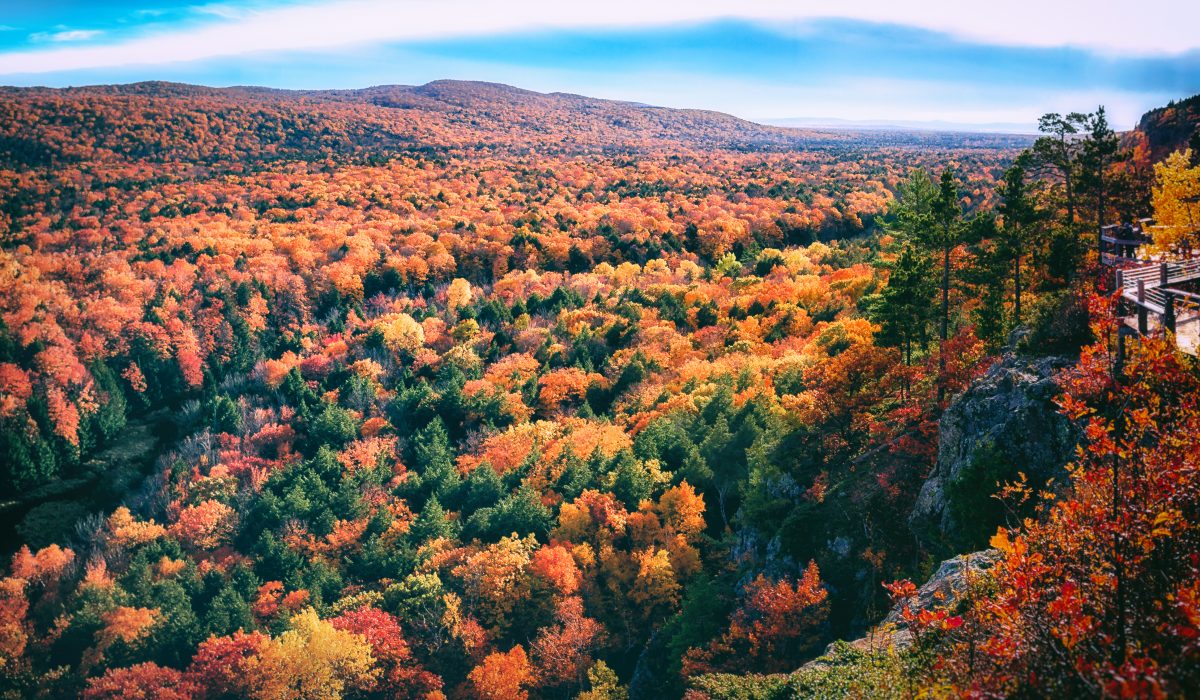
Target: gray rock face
944,589
1006,422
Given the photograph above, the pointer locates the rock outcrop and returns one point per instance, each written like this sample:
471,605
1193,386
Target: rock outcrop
1006,422
944,589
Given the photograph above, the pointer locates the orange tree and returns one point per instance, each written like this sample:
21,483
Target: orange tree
1100,596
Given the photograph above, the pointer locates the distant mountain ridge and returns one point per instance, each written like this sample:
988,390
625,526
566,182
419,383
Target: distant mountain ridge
494,109
441,114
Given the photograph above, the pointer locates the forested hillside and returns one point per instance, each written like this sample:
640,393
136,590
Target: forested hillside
1171,128
466,391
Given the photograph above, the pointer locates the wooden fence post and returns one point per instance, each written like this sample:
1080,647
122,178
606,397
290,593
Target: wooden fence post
1143,321
1169,311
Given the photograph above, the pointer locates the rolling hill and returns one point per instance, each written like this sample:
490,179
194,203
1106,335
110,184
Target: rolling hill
38,124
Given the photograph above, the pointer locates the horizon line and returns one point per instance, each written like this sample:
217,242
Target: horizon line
834,123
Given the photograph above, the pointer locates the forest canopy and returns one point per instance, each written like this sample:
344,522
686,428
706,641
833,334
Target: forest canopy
462,391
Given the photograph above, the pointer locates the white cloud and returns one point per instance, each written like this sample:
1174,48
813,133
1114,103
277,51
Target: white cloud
219,10
66,35
1104,25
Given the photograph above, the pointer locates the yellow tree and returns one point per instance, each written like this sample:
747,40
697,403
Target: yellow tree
402,332
313,659
1176,209
458,294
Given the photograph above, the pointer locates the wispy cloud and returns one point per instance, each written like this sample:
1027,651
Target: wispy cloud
221,10
66,35
1107,25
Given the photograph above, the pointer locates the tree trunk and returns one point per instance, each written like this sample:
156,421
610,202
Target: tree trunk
1017,288
1070,196
1067,180
945,293
945,319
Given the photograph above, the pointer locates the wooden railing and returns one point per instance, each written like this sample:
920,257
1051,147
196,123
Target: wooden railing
1152,288
1181,307
1151,285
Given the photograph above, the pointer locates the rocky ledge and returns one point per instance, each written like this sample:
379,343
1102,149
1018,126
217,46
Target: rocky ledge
1006,422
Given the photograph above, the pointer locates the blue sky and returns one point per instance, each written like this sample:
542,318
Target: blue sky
767,60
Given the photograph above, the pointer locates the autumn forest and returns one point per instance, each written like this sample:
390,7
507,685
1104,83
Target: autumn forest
464,391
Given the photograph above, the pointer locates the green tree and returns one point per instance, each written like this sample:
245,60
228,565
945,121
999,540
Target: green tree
933,218
944,236
432,523
109,418
631,483
1058,151
1019,227
520,512
29,459
298,393
902,308
988,276
913,208
228,613
333,426
577,476
482,489
717,452
433,460
1100,150
928,216
224,416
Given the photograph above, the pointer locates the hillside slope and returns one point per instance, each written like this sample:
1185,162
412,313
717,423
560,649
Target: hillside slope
1172,127
132,122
